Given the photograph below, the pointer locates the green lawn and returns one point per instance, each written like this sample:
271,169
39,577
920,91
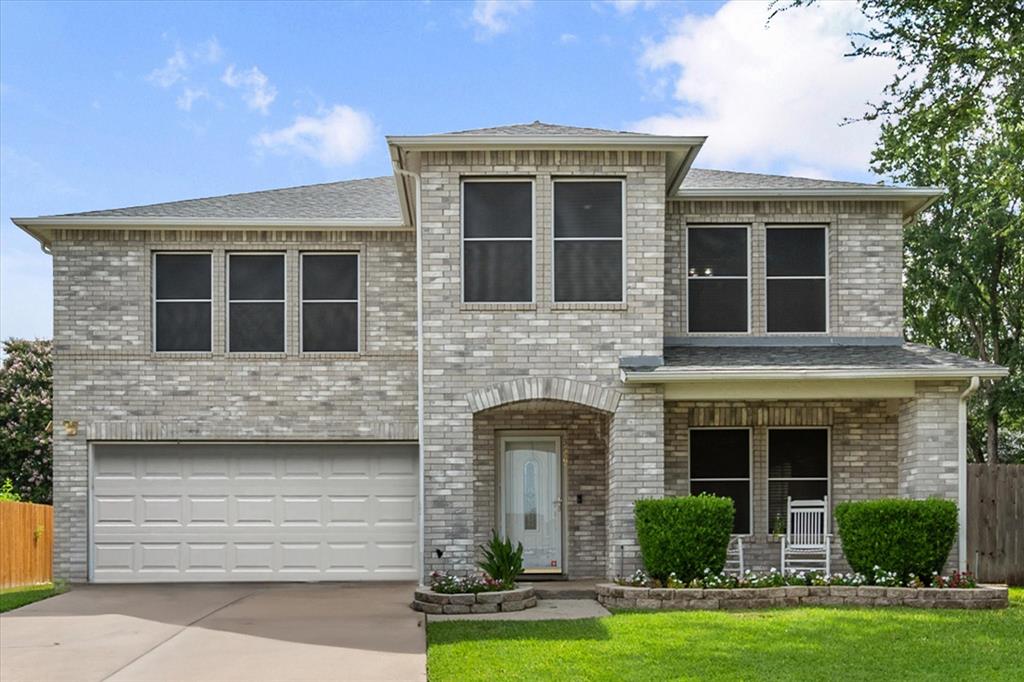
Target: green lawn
785,644
13,597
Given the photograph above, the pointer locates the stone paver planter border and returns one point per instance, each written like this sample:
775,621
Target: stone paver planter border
428,601
620,597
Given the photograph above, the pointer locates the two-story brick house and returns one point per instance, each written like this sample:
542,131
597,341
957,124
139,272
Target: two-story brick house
526,329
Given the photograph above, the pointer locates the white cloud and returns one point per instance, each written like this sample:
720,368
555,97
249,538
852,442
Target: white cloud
190,96
340,136
628,6
171,72
568,38
494,16
209,51
769,96
257,91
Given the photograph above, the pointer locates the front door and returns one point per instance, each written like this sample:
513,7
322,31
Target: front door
532,500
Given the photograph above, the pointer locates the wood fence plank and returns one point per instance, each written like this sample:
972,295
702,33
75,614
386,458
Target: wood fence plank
26,544
995,522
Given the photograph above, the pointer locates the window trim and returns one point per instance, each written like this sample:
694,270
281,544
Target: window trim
750,468
463,181
621,239
154,300
749,277
357,301
228,301
827,277
768,469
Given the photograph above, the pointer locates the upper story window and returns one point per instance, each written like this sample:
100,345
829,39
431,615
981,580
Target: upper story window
256,302
718,278
588,243
798,465
497,241
797,279
720,465
330,302
182,290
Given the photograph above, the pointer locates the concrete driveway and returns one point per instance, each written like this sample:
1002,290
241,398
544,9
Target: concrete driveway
217,632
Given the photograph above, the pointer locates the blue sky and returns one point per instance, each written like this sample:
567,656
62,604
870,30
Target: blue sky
105,105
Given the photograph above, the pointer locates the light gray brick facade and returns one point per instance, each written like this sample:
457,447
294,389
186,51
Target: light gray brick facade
488,369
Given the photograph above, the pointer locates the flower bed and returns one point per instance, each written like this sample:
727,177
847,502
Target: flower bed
648,598
490,601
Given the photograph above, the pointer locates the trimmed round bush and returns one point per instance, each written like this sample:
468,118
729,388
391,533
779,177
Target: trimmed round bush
684,535
902,536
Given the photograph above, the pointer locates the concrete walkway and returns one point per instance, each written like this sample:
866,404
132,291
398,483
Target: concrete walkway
218,632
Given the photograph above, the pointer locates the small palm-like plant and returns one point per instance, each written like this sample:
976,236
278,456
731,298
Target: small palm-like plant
501,561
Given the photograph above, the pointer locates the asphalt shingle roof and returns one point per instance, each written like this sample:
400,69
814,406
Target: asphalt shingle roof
540,128
370,199
703,178
907,356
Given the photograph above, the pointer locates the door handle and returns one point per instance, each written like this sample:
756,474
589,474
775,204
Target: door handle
558,502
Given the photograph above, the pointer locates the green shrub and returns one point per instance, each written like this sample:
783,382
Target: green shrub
902,536
684,535
501,561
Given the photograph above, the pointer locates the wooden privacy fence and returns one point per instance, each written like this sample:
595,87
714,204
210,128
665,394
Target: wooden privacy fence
26,544
995,522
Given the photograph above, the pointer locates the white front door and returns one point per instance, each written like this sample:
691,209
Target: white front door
532,500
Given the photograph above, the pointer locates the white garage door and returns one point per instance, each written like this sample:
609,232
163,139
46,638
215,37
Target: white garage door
235,512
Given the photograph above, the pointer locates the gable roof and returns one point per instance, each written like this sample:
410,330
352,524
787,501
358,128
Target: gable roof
705,178
540,128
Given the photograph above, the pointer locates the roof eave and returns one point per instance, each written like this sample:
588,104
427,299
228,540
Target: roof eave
42,228
672,375
915,199
502,142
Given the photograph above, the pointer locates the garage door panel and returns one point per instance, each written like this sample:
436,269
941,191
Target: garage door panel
164,512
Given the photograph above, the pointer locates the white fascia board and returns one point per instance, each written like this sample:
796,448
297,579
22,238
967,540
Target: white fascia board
879,193
809,389
663,376
431,142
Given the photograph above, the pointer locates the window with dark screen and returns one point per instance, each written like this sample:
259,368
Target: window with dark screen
797,468
796,279
720,465
588,243
256,302
718,278
330,302
497,241
182,302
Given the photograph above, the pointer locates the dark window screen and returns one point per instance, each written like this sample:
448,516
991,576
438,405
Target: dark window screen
327,277
183,326
330,327
256,327
796,305
498,271
497,209
720,250
256,278
719,453
739,491
800,456
798,453
722,454
717,305
182,276
796,251
588,270
588,209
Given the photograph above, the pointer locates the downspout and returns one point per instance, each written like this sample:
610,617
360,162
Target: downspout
419,361
961,502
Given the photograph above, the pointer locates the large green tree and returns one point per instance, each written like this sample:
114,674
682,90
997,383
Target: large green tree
953,116
26,418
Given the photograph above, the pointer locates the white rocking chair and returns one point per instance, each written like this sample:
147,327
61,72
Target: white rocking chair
734,557
807,544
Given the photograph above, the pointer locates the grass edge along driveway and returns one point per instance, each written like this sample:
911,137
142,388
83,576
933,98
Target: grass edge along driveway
797,644
15,597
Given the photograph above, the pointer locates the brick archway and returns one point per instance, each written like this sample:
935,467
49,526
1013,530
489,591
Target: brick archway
537,388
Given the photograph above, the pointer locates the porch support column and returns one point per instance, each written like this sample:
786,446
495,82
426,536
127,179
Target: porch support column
448,486
636,469
929,447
